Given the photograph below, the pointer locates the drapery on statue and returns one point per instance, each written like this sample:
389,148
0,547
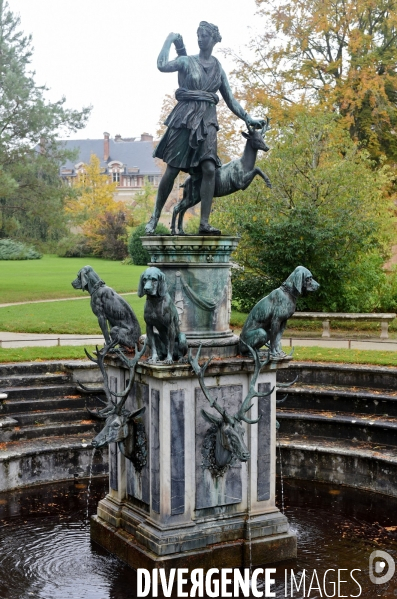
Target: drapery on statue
190,143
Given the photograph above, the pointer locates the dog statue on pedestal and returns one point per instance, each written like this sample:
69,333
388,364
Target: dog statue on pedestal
167,344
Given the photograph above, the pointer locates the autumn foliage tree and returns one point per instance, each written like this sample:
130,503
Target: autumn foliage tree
339,54
108,235
93,209
93,194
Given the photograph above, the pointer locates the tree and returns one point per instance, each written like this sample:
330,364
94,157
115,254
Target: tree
31,193
341,54
93,195
144,202
108,235
328,210
139,254
102,219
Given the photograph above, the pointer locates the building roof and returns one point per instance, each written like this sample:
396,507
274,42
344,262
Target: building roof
131,153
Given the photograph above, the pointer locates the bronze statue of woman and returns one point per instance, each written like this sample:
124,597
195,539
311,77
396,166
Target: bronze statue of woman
190,143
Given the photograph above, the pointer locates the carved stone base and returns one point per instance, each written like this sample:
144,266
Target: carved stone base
178,509
230,554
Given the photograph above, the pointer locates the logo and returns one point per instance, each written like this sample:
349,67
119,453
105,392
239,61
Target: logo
381,567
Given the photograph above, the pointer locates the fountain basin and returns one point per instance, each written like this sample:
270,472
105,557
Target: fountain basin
46,549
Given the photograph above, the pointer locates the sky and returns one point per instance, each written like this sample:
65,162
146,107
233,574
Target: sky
103,53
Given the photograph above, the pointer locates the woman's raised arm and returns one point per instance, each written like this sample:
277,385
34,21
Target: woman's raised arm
163,63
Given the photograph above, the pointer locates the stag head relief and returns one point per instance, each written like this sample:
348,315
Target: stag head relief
121,426
224,443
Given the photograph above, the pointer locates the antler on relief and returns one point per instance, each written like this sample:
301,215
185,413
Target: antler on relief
131,364
111,405
240,415
244,408
285,386
200,374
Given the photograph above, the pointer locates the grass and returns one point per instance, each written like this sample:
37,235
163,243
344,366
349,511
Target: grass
311,354
40,354
70,317
51,277
237,319
345,356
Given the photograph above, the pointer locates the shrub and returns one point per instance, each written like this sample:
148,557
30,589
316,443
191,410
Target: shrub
107,235
139,255
74,246
16,250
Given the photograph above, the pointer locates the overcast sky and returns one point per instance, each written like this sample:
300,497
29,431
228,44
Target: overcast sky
103,53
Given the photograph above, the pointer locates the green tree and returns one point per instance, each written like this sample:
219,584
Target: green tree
144,200
31,193
140,256
326,211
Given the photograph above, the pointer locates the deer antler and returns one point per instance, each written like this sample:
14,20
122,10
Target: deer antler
240,415
200,371
111,405
131,367
285,385
267,126
100,363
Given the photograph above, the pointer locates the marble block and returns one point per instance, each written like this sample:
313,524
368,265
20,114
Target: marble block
175,511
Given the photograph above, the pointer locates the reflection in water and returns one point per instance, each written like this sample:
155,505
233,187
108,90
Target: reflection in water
46,553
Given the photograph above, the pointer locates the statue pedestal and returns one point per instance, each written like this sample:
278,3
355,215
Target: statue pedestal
197,270
178,512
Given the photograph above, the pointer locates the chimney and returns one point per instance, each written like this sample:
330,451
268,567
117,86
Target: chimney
146,137
106,146
117,137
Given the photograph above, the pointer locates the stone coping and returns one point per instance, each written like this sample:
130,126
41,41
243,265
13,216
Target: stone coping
216,367
342,366
175,240
86,364
340,447
190,250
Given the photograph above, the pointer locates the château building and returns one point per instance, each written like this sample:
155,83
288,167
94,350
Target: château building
127,162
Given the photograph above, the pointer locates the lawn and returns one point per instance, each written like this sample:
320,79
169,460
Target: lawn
51,277
312,354
345,356
69,316
39,354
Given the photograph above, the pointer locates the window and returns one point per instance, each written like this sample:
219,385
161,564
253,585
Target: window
116,177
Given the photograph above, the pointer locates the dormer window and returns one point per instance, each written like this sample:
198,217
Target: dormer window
115,168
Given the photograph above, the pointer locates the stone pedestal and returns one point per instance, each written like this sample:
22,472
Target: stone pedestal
197,270
175,513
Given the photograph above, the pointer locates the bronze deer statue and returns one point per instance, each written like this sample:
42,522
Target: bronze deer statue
121,426
229,443
233,176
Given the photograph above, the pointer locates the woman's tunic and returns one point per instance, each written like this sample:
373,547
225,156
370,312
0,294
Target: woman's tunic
192,125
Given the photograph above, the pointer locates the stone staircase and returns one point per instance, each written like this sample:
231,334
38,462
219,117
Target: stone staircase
339,425
45,430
